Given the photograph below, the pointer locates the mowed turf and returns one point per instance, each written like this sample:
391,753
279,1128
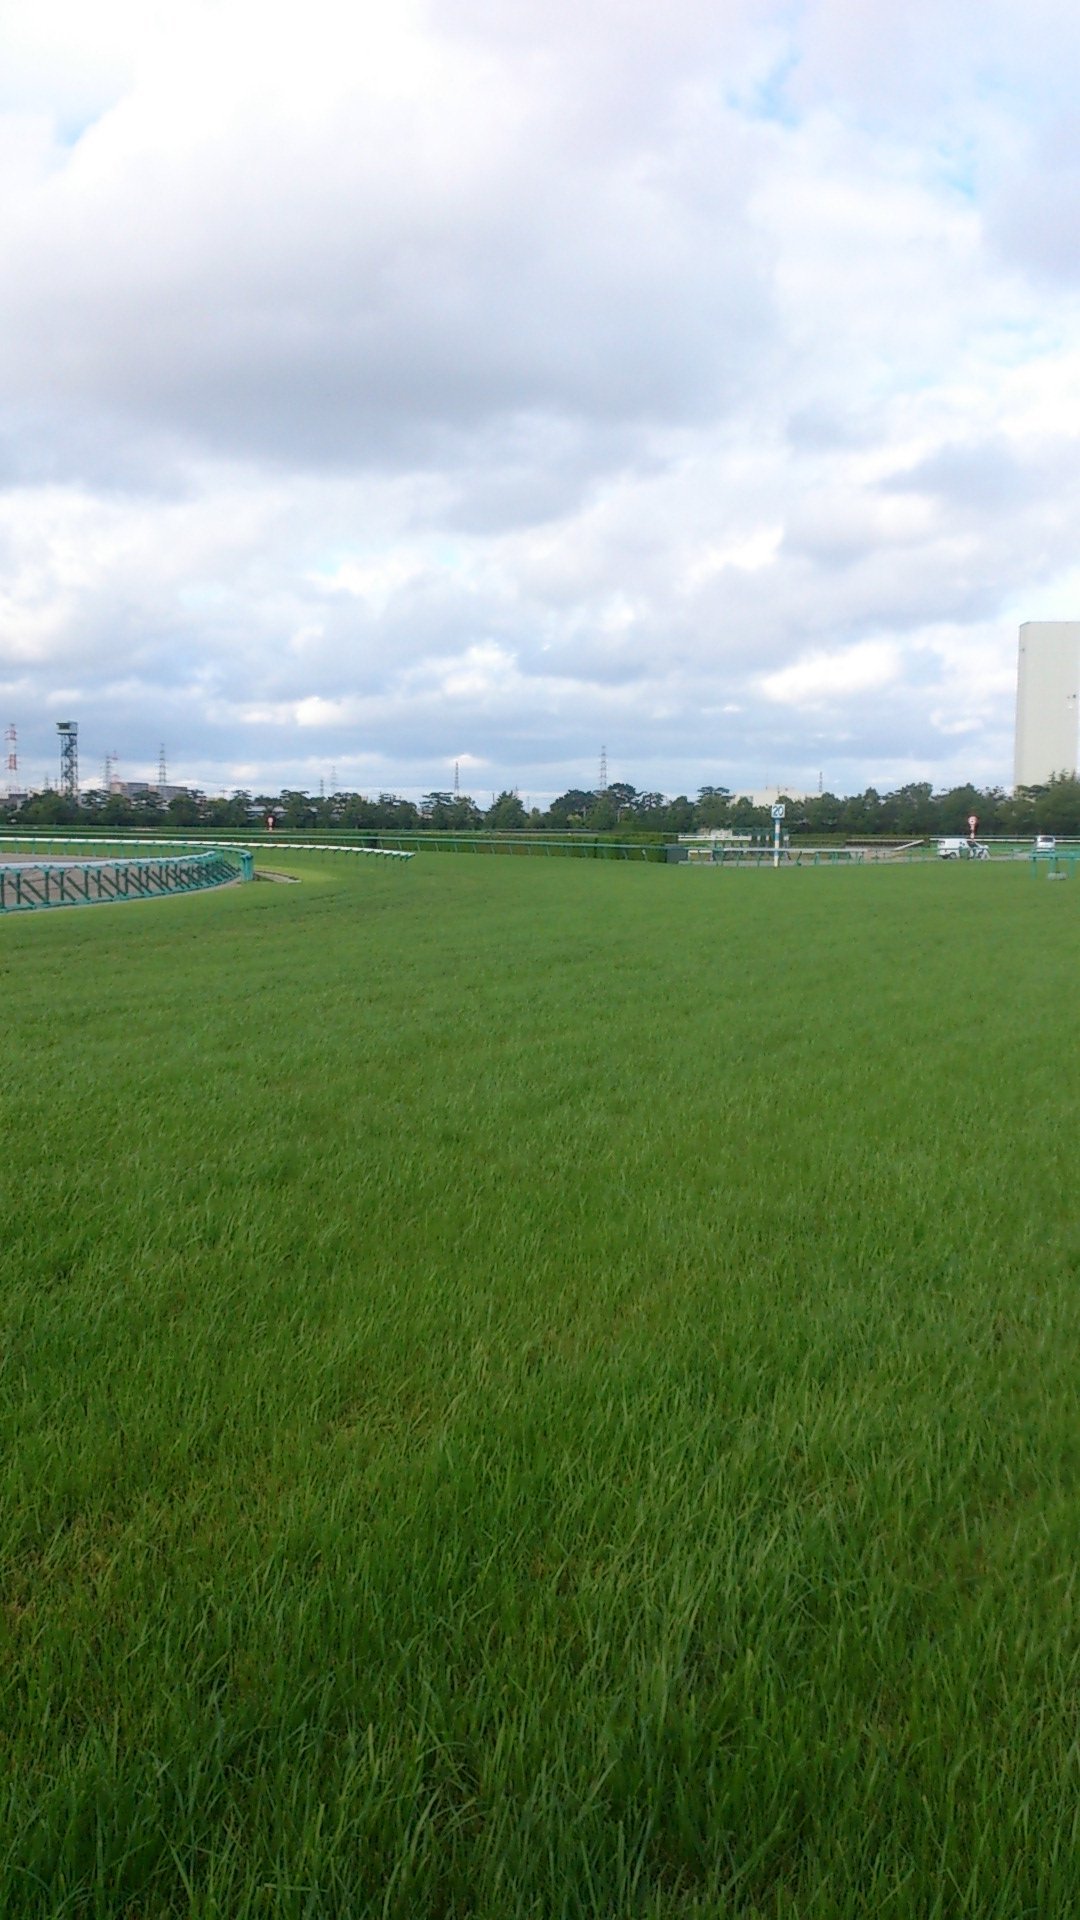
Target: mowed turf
543,1388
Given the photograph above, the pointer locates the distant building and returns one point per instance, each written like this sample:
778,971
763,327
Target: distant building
1047,686
706,835
148,790
770,796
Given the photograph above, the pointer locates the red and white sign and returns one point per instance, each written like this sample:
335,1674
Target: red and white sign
973,821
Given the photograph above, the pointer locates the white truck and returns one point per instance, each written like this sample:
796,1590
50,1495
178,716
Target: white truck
955,847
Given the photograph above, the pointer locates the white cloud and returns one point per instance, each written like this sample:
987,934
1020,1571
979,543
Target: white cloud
824,678
702,379
747,553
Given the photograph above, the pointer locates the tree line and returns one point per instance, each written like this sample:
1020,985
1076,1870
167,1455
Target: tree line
910,812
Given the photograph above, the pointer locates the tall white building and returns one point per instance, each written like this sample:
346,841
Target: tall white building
1047,703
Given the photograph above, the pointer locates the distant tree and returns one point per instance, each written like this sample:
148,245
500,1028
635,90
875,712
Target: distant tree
234,812
388,812
117,811
450,813
353,810
602,813
680,815
912,811
745,817
570,809
146,809
956,807
621,793
1057,809
505,812
395,812
49,810
297,809
647,807
183,810
820,813
1017,812
713,807
861,813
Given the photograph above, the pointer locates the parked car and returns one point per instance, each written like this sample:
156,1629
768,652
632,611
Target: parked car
1045,843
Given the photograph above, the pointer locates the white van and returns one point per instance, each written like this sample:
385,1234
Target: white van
1045,843
957,848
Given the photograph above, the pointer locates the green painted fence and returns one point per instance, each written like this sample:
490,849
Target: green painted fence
28,883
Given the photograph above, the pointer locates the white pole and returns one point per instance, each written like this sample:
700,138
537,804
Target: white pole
777,816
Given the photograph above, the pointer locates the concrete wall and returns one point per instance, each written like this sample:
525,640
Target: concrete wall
1047,686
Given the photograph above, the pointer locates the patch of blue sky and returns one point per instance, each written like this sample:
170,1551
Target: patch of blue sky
954,163
68,120
449,556
68,130
204,594
1020,342
766,96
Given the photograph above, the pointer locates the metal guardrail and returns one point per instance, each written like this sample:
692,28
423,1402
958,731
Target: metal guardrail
176,847
32,884
765,856
273,845
521,845
402,846
1057,863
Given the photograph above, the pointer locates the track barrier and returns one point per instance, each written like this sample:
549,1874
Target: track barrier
29,883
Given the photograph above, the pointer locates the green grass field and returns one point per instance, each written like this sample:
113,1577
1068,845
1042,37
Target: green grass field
541,1389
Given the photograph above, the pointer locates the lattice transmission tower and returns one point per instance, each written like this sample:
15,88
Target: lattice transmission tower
69,759
603,770
11,744
162,770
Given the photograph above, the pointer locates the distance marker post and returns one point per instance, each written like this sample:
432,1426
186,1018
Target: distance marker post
777,816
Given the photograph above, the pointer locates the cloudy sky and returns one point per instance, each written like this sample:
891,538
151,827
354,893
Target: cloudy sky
390,385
